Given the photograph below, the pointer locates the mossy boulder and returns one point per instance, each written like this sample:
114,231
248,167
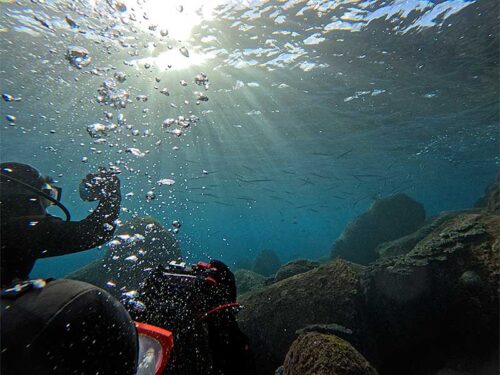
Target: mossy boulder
139,245
327,294
295,267
247,281
386,220
316,353
266,263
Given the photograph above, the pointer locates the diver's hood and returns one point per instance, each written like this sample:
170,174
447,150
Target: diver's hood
17,179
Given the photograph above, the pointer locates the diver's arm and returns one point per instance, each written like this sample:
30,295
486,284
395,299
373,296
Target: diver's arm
63,237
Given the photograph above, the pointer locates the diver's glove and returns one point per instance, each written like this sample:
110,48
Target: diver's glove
101,185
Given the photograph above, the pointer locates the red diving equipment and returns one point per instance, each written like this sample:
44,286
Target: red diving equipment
155,347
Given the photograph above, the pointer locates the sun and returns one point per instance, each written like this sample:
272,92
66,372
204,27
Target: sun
177,17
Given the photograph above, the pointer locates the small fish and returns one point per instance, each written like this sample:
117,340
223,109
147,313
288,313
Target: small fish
337,197
307,205
321,154
256,180
210,195
223,204
249,199
361,176
318,175
344,154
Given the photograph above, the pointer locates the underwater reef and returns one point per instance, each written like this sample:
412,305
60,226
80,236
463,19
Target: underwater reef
139,245
426,304
266,263
387,219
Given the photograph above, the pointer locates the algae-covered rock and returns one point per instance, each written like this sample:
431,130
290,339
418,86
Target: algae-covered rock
295,267
386,220
316,353
266,263
490,201
139,245
327,294
442,295
247,281
404,244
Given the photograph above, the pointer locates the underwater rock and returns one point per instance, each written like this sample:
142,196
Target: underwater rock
294,268
324,354
266,263
490,201
386,220
408,314
140,244
404,244
329,329
442,295
243,264
327,294
247,281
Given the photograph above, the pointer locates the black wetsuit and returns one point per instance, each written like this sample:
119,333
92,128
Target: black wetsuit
26,238
66,327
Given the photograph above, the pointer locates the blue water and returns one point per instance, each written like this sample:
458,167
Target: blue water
316,108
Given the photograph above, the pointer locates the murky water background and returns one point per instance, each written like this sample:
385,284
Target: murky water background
315,109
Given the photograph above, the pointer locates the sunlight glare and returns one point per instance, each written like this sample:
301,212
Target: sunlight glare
178,17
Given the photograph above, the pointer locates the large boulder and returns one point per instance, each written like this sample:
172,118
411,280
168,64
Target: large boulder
316,353
438,300
266,263
386,220
247,281
295,267
490,201
139,245
330,293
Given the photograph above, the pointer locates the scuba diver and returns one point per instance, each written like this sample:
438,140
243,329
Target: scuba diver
58,326
30,233
198,305
71,327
